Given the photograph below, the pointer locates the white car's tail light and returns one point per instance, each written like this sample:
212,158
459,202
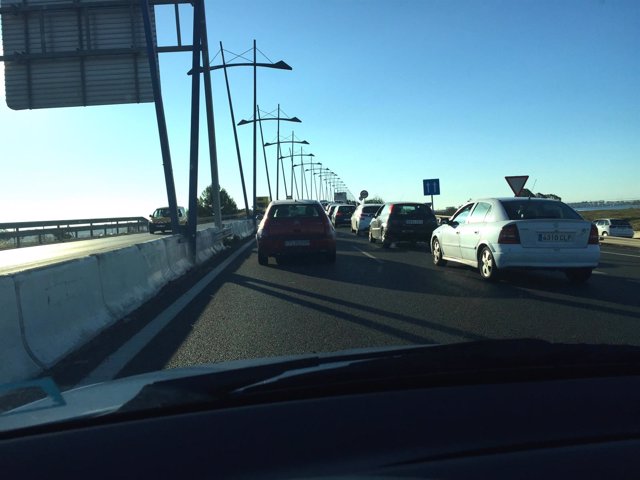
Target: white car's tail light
509,234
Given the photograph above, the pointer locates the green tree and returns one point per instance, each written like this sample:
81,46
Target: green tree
205,206
374,200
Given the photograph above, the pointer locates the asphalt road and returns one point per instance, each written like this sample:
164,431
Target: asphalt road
378,297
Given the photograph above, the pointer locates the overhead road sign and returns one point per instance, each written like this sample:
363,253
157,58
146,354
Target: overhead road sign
67,53
431,186
517,183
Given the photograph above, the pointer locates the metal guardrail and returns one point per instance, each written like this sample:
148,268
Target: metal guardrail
22,234
18,234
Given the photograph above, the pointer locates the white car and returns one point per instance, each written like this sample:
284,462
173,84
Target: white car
361,218
492,234
613,227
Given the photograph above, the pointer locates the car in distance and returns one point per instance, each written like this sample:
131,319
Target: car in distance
160,219
362,216
342,215
402,222
493,234
295,228
614,227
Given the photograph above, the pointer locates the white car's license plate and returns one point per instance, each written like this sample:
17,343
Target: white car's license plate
555,237
296,243
413,222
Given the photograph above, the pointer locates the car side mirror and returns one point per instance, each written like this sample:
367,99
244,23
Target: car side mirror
443,221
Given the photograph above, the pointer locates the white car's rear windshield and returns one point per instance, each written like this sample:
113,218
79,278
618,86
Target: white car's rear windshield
523,209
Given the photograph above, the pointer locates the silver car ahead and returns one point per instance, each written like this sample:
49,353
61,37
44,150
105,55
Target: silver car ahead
492,234
361,218
613,227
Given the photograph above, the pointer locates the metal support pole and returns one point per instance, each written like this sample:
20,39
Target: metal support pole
160,116
292,137
255,132
264,152
235,132
192,222
278,160
211,127
301,173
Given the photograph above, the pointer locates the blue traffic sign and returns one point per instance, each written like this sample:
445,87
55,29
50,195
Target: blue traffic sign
431,187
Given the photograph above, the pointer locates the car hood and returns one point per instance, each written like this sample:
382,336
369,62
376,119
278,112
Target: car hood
257,381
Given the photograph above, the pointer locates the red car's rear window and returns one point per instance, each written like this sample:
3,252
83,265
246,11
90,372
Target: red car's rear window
294,211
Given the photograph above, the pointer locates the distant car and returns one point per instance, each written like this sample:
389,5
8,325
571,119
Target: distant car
342,215
362,216
294,228
161,219
614,227
493,234
330,208
402,222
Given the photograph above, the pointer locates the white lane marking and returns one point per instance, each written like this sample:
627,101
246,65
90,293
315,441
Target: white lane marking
621,254
596,272
110,367
367,254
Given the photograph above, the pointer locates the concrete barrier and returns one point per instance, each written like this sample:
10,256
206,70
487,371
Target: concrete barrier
154,255
124,279
49,312
15,362
177,255
242,228
62,307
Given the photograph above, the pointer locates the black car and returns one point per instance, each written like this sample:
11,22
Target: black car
402,222
341,215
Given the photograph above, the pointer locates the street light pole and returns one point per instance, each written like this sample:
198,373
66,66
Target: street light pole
279,162
255,133
235,132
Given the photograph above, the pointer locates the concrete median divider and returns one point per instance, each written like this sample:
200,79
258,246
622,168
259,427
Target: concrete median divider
47,313
62,307
242,228
177,255
124,278
154,255
15,362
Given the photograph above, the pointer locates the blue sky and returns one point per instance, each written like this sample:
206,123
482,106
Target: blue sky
389,92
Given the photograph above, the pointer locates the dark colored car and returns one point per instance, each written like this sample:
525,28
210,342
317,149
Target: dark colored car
342,215
295,227
160,220
402,222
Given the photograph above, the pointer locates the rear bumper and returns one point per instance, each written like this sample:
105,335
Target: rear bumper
274,247
399,235
508,256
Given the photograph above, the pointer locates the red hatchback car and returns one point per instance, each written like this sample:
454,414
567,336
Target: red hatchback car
295,227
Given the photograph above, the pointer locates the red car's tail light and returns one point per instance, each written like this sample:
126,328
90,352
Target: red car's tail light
509,234
593,235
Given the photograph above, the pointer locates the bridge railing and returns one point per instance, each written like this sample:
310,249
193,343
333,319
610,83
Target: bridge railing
22,234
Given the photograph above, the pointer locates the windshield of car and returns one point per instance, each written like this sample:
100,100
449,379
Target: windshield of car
620,223
370,208
549,209
347,209
294,211
411,210
272,108
161,212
